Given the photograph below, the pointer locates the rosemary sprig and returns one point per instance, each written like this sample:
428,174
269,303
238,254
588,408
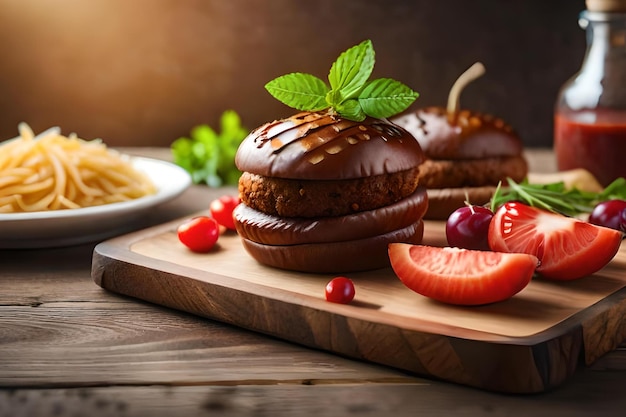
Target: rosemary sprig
556,197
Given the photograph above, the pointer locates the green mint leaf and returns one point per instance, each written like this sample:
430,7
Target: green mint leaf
351,70
300,91
334,98
385,97
350,94
351,109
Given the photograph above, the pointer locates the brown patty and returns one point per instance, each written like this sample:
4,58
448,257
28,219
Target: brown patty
303,198
471,173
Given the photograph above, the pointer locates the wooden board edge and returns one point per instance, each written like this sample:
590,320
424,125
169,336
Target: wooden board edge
120,248
604,329
502,367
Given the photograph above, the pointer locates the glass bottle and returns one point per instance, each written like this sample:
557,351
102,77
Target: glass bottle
590,113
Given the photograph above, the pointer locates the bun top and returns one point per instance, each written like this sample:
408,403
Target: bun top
465,135
320,146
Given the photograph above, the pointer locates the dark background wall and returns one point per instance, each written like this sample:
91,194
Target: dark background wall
143,72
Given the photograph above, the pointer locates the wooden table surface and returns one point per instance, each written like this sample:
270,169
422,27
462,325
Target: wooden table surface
70,348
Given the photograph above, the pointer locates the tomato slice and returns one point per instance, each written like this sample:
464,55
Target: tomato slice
461,276
567,248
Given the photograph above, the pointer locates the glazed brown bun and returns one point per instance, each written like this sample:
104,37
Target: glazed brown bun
325,194
468,154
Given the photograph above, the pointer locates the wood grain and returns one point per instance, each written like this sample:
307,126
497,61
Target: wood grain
530,343
588,394
93,338
114,356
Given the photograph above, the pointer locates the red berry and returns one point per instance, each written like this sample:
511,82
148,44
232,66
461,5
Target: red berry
222,210
608,213
340,290
199,234
468,227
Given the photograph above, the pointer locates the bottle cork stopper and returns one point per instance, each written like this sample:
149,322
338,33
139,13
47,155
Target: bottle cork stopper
607,6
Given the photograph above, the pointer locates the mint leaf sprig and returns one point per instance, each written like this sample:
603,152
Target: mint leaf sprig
350,94
556,197
208,155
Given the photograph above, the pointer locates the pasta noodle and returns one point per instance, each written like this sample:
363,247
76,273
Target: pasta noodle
55,172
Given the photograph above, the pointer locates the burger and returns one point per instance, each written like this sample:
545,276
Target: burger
321,193
329,188
467,155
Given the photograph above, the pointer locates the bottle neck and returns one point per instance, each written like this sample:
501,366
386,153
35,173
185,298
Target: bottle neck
603,72
606,39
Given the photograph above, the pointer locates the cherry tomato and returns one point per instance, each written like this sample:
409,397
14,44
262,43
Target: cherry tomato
567,248
199,233
607,213
468,227
340,290
461,276
222,210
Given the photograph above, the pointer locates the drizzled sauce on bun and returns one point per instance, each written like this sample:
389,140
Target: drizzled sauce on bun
320,146
463,135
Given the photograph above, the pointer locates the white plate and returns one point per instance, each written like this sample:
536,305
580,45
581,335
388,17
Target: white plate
44,229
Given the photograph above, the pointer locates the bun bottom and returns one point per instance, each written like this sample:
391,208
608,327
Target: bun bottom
336,257
442,202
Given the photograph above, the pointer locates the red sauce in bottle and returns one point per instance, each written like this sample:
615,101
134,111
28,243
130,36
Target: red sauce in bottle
594,140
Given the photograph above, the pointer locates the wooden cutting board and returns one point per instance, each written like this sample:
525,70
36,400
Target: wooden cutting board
530,343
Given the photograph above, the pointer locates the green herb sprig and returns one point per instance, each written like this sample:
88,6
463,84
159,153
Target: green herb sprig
209,156
556,197
350,94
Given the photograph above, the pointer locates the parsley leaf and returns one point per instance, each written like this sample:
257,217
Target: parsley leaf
209,156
